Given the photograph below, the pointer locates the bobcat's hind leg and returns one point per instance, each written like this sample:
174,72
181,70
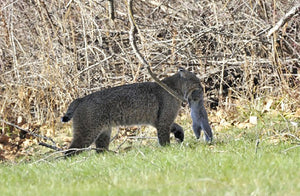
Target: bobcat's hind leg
79,141
102,141
82,138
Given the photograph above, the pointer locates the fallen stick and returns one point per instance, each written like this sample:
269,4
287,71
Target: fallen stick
54,147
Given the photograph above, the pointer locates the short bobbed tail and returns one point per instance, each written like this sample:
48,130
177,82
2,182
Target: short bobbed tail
72,108
65,119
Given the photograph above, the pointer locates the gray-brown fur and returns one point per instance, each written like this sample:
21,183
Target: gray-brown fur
141,103
199,115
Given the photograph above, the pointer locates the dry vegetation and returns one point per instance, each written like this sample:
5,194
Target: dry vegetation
55,51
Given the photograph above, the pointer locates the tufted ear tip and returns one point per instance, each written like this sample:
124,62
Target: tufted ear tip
181,69
182,72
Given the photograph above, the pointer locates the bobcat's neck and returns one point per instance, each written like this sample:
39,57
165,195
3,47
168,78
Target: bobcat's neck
174,82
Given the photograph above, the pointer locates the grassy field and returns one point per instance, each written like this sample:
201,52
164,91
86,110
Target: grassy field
231,166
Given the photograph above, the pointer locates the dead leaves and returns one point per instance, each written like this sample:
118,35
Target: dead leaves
12,147
271,118
16,141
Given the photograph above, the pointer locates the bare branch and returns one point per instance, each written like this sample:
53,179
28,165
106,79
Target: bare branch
95,65
54,147
111,9
132,40
295,10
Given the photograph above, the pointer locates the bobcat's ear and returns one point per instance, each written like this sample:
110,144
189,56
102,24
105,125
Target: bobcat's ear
182,72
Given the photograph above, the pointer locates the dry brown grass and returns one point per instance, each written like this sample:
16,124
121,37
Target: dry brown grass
55,51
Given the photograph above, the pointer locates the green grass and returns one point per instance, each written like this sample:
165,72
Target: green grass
226,168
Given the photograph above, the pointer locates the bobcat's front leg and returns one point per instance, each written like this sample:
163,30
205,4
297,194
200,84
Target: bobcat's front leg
163,134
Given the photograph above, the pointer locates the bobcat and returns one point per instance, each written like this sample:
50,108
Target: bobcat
144,103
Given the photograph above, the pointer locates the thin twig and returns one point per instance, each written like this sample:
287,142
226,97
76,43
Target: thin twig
115,136
121,144
142,138
50,155
256,146
297,146
93,66
64,156
291,135
111,9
